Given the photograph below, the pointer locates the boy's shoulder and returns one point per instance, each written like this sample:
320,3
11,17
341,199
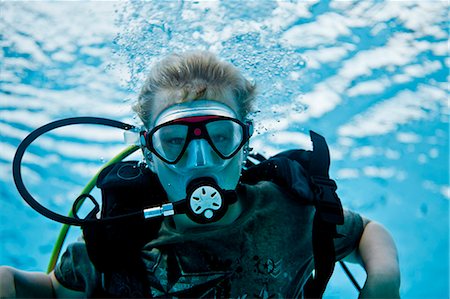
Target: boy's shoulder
267,191
278,204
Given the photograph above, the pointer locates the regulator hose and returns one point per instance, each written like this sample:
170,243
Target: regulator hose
17,171
86,190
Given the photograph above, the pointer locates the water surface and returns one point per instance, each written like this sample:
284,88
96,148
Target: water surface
371,76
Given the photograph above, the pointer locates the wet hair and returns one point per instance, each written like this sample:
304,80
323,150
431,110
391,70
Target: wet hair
191,76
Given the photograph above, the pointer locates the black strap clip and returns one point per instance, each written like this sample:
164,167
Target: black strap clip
328,203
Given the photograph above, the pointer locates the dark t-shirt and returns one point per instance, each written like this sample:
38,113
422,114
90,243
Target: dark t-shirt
266,252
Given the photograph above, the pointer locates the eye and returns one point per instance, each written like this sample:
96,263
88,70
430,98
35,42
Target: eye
174,141
220,138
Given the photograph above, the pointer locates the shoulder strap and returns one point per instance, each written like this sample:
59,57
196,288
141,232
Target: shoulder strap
288,169
329,213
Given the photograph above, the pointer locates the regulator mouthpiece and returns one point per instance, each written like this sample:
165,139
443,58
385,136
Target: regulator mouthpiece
205,201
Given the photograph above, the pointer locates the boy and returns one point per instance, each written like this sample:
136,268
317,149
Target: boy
234,240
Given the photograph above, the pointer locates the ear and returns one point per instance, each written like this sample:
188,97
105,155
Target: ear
247,149
245,152
148,157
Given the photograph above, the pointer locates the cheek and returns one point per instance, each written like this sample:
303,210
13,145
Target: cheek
162,171
230,175
171,181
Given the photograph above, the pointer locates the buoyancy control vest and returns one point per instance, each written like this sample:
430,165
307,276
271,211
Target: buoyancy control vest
130,186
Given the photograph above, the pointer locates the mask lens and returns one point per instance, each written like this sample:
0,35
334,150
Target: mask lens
226,135
168,141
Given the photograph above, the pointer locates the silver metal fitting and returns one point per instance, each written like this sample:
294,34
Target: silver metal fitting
164,210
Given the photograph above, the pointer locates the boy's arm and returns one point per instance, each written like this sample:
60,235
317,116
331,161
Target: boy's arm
62,292
15,283
379,257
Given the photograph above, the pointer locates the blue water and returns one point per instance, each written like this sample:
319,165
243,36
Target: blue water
372,76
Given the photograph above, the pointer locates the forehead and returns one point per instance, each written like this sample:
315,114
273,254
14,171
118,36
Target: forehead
166,98
195,108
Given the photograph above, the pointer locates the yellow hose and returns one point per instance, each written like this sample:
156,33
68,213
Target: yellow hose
86,190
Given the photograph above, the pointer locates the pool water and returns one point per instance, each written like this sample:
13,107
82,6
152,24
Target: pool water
371,76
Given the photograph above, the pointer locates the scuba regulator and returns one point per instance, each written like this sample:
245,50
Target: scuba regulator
206,202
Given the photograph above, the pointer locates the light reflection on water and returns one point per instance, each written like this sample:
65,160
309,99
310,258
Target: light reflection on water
371,76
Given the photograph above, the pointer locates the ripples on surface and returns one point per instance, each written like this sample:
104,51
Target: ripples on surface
371,76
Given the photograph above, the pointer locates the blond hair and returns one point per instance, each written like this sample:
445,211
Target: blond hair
193,76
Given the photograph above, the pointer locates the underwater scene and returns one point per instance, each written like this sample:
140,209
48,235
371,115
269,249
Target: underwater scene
370,76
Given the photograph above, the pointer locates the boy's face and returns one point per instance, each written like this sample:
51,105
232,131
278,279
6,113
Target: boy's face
202,139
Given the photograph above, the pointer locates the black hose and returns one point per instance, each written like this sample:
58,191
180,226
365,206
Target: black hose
17,162
350,275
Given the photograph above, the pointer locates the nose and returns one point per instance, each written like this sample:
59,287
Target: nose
199,153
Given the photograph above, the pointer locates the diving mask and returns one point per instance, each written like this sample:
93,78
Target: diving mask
169,140
197,144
